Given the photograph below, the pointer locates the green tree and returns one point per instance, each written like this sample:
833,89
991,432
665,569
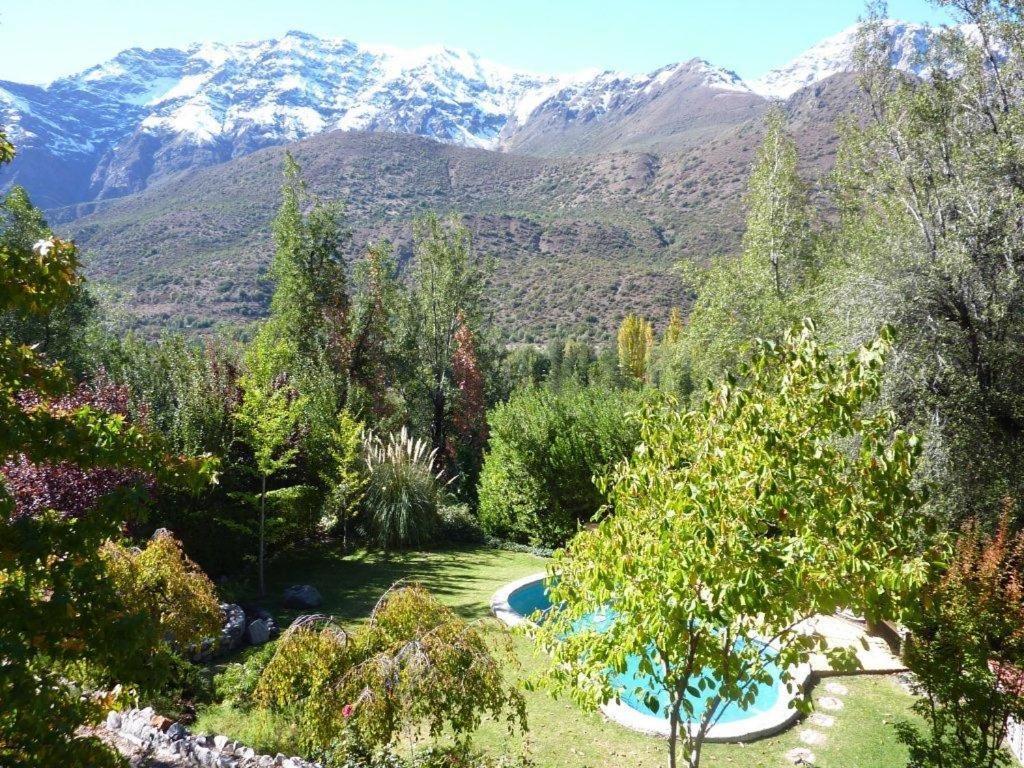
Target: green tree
267,416
310,308
930,194
377,363
547,445
782,496
446,293
342,472
636,339
771,285
63,333
61,612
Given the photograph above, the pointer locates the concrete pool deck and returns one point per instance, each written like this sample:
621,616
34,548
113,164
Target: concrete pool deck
873,654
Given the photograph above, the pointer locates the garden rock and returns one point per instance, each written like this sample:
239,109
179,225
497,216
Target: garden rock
258,632
302,596
234,625
113,721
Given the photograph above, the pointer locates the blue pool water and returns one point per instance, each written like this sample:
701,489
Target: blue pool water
532,600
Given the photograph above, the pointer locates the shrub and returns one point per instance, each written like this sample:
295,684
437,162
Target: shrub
236,684
967,652
460,526
415,665
177,595
537,484
293,516
403,492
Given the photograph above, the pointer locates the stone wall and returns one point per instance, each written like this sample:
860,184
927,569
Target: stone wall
170,739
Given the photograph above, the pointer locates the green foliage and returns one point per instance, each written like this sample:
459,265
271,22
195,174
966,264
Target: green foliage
343,471
967,651
930,194
238,682
60,611
460,526
378,362
310,307
779,498
415,665
63,333
772,283
267,416
404,491
445,295
546,447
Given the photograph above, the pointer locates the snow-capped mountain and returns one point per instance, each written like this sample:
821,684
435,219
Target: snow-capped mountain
145,114
908,44
611,110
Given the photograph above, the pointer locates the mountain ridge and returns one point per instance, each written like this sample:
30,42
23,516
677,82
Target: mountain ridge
121,125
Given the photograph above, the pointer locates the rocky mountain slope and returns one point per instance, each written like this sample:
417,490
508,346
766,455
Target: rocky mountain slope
143,116
584,190
576,242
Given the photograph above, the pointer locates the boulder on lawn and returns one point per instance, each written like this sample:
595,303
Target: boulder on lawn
258,632
253,612
302,596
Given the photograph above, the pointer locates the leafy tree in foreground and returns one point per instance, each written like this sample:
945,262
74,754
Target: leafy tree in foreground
62,333
777,499
59,609
967,652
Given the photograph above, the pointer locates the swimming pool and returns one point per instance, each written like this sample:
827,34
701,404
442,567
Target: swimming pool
527,600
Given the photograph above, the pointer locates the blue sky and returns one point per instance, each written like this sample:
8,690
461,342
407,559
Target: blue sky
43,39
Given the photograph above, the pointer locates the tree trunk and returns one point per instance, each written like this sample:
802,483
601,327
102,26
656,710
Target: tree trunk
263,517
438,426
673,736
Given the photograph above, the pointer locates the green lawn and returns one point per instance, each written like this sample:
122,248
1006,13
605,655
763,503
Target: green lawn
560,735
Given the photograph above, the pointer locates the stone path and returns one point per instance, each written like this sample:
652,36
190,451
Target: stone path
820,722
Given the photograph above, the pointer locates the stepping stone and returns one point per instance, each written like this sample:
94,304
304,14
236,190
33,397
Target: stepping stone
837,689
830,703
812,738
822,721
800,756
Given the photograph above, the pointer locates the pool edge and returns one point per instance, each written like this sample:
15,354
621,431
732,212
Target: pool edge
777,719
